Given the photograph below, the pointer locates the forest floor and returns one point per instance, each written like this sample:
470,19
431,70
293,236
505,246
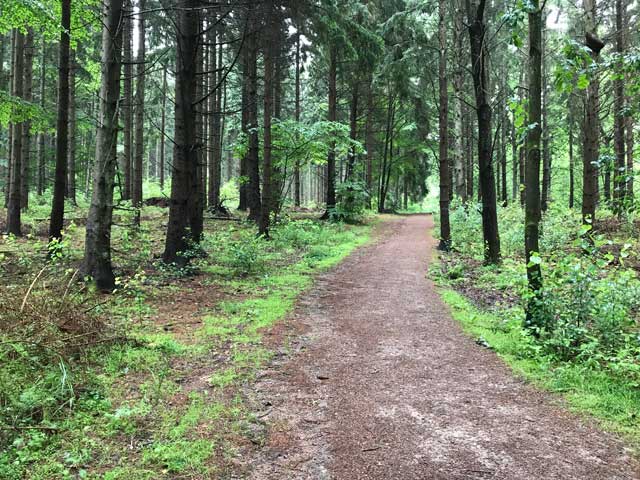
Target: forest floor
379,382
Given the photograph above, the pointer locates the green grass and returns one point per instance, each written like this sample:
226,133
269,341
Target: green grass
614,402
119,415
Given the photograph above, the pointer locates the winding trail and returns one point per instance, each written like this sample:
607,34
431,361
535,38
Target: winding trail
383,384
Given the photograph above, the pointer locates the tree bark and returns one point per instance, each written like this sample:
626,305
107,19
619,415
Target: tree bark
184,183
532,177
445,185
41,183
14,201
296,168
477,30
619,114
127,103
97,252
62,126
71,166
25,173
252,155
267,186
370,139
330,197
138,157
591,150
163,122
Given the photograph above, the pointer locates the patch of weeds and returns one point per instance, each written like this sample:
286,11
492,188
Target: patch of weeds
180,456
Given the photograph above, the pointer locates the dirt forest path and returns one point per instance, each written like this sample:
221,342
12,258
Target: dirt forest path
381,383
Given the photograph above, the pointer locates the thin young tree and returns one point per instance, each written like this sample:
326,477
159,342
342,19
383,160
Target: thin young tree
97,250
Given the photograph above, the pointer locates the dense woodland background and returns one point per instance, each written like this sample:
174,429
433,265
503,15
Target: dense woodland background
143,142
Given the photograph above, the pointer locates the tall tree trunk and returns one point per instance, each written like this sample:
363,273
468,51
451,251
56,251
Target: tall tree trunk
71,167
211,141
267,185
469,153
629,139
41,183
14,201
215,172
477,30
62,126
353,130
127,104
25,172
532,178
252,155
591,150
546,153
330,197
163,121
97,251
138,156
619,177
571,154
184,183
445,185
503,157
515,161
243,201
296,168
370,140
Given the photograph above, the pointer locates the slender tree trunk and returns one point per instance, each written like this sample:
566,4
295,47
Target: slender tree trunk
14,201
296,168
184,182
628,124
353,130
330,197
571,155
591,150
25,170
546,153
252,158
163,121
445,185
62,126
97,252
71,167
138,157
41,183
215,171
267,186
477,38
515,161
127,104
370,140
532,186
619,177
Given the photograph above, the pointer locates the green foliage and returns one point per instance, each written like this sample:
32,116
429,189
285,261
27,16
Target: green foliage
352,202
610,397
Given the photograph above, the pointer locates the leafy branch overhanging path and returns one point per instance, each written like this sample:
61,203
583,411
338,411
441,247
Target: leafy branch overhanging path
384,385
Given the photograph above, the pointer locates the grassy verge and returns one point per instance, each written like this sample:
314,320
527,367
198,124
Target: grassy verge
162,402
613,401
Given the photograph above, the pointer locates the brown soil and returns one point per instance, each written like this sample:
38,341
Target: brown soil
380,383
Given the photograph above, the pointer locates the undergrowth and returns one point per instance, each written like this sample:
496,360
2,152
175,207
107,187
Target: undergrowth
588,345
100,388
